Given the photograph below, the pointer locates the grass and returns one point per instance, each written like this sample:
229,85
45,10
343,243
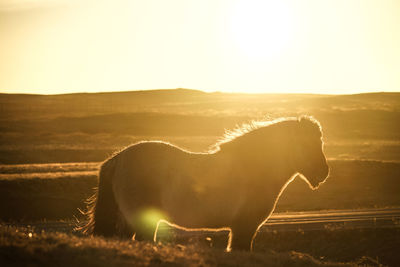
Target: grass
24,247
361,132
49,168
341,245
81,147
44,198
49,175
85,147
89,127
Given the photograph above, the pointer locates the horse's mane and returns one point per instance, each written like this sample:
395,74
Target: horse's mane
308,123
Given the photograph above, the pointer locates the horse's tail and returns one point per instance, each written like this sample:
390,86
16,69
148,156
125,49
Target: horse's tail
102,209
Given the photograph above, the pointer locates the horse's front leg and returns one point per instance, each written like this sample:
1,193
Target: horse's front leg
242,236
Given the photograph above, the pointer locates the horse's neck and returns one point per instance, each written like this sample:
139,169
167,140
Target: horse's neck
269,174
265,173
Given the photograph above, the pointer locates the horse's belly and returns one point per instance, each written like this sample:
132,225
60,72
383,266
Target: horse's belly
194,218
194,210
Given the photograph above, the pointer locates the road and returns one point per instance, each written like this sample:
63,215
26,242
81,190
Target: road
291,221
365,218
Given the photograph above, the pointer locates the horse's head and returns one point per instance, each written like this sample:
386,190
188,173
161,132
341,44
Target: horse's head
309,155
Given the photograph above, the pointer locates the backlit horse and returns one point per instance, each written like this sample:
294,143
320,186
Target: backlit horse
234,187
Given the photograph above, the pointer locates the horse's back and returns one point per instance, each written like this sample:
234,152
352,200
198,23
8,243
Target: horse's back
147,162
145,171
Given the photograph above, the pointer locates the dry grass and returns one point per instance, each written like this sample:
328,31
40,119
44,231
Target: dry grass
23,247
49,175
49,168
66,128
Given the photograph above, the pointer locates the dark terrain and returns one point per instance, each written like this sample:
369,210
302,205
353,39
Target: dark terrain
51,147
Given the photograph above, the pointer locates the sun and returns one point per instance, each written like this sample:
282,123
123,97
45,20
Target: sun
261,29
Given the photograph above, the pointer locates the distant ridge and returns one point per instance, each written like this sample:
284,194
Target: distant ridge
186,91
150,91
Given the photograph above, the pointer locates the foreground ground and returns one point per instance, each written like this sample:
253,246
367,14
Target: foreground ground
361,134
37,193
20,246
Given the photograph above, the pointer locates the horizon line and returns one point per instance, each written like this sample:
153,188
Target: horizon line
198,90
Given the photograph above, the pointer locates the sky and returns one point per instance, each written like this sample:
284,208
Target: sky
253,46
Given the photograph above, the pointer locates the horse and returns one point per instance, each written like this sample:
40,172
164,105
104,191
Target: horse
235,186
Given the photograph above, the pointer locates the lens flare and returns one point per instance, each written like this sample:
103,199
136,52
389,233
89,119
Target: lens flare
148,219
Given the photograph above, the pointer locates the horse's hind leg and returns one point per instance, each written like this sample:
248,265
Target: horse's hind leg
124,228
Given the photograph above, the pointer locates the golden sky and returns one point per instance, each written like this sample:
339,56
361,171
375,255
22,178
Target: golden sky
309,46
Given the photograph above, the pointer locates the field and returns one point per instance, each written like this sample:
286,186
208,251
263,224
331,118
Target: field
51,148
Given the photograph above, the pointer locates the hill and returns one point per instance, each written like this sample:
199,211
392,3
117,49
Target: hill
87,127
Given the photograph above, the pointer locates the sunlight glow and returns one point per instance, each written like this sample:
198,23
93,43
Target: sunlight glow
257,46
148,219
260,28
